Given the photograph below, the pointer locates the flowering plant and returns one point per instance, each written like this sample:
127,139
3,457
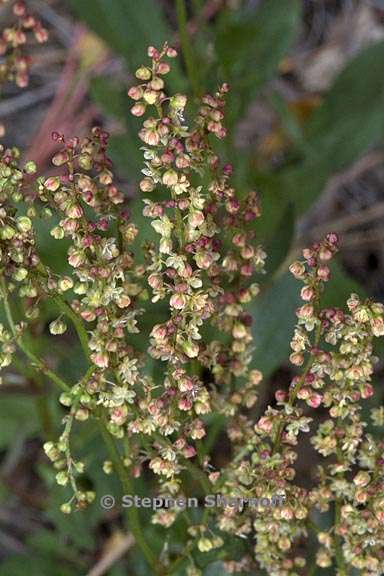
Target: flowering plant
196,279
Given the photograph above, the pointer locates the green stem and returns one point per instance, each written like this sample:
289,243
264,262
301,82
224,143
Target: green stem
192,69
32,357
76,321
128,487
67,311
342,571
296,390
40,398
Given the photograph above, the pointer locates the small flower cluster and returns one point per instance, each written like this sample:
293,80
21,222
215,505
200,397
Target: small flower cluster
15,62
198,278
204,281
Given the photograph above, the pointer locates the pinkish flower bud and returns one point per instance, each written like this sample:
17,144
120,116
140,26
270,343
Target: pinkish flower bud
377,325
170,178
157,83
185,404
19,9
265,424
76,259
314,400
100,359
171,52
41,34
367,391
307,293
178,301
150,136
119,415
159,331
325,253
297,269
280,395
247,252
153,53
196,219
147,185
74,211
297,358
135,92
163,68
60,158
52,183
189,452
138,109
332,238
203,260
305,311
324,273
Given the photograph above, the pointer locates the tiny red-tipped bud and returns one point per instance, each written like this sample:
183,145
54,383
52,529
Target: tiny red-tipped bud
153,53
171,52
163,68
41,34
307,293
135,92
19,9
332,238
60,158
170,178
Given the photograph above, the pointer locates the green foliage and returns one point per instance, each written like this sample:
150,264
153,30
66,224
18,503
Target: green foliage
18,419
251,44
347,123
128,28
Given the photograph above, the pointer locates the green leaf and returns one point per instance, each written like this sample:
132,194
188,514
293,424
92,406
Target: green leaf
347,123
280,241
110,96
215,569
33,566
273,322
251,45
129,28
17,418
274,315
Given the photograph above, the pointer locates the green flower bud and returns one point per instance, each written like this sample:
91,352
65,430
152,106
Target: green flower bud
57,327
30,167
51,451
7,232
143,73
57,232
23,223
65,283
85,161
65,399
20,274
107,467
66,508
178,101
204,544
62,478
